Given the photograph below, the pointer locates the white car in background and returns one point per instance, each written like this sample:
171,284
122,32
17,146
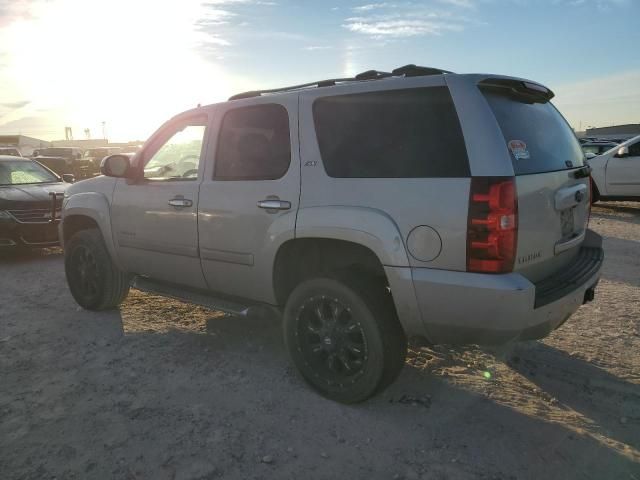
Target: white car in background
616,173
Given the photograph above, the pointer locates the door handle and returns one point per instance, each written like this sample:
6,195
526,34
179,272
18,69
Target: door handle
180,202
271,204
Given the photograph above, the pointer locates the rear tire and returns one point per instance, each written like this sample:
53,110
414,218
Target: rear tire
344,337
95,281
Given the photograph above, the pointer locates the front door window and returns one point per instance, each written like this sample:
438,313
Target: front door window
179,157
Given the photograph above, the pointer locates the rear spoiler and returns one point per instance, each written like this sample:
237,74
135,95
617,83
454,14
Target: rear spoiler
521,90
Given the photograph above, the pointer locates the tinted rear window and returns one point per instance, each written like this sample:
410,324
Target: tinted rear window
410,133
538,137
254,144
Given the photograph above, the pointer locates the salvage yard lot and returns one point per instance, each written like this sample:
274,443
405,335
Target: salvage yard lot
165,390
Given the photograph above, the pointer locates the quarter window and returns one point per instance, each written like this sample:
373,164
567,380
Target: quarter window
254,144
409,133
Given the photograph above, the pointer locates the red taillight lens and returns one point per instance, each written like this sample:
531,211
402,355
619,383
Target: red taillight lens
492,229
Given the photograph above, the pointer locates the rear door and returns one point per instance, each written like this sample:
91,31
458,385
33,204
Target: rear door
249,199
623,173
553,197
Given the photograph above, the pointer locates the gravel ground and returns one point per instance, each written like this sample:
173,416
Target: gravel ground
164,390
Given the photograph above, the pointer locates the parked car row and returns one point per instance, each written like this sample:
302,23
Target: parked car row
73,160
28,211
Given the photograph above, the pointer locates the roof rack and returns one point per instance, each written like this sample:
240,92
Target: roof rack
406,71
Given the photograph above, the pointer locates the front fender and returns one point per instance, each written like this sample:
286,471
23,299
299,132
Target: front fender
95,206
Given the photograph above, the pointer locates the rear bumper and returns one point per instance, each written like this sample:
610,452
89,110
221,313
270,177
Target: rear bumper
462,308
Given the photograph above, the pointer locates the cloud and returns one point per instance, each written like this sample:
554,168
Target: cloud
312,48
372,6
402,27
15,105
405,19
460,3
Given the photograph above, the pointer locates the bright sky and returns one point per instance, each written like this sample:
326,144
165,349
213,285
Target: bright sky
135,63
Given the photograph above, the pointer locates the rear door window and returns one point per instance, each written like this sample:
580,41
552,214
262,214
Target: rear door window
409,133
254,144
537,135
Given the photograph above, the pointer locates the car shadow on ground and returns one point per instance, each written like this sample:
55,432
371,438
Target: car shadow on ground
9,256
621,213
611,402
609,405
221,392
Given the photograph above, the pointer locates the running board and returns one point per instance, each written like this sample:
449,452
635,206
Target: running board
190,296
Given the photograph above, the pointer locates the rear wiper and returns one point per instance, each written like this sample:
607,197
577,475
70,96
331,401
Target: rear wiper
582,172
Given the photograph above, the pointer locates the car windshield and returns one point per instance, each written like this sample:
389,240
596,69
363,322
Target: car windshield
596,148
21,172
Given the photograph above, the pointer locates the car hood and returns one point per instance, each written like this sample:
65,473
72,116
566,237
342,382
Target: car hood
28,196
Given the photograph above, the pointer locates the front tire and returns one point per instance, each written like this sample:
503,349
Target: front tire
95,281
344,337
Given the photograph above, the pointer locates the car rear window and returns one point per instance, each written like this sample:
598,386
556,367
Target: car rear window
537,135
409,133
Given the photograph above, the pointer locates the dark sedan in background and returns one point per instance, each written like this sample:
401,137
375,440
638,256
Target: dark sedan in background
27,215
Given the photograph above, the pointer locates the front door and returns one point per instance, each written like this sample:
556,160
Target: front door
623,173
155,219
249,198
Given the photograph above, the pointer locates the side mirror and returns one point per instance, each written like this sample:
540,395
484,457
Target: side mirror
68,178
622,152
589,155
115,166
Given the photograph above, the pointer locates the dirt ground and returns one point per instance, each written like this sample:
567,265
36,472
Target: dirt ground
165,390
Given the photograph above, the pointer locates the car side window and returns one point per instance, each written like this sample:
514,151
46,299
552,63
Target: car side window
634,150
178,157
253,144
408,133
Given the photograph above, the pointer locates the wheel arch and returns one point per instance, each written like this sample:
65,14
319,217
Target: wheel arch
363,237
88,210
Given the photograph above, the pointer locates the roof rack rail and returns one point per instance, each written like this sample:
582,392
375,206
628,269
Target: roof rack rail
406,71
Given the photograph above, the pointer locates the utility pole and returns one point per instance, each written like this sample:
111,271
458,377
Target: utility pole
104,130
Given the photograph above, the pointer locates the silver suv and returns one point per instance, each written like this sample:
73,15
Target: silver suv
368,209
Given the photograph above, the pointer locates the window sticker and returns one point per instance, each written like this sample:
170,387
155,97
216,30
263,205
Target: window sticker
519,150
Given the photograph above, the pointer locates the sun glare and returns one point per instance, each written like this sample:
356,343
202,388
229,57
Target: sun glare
131,64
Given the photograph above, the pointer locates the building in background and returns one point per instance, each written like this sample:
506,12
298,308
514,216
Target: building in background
616,132
25,144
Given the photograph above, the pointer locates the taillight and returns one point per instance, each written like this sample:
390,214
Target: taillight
492,228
